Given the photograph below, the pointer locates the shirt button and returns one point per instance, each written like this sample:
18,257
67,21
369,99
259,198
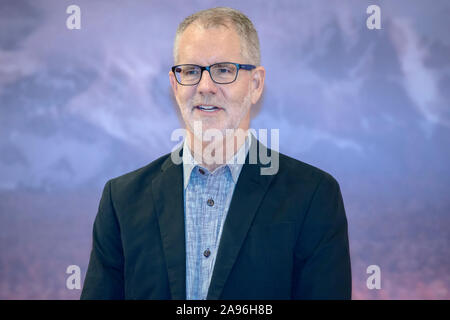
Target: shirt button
206,253
210,202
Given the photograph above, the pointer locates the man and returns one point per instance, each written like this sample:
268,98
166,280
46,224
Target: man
203,228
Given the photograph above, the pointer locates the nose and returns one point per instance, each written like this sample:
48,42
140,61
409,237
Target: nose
206,85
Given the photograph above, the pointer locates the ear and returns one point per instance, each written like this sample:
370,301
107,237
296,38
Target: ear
173,83
257,83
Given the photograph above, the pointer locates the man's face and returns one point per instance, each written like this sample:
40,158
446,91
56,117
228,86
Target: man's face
205,47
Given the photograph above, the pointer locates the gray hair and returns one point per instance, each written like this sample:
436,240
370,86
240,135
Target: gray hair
225,17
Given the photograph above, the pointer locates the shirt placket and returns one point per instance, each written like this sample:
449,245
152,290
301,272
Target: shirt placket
208,213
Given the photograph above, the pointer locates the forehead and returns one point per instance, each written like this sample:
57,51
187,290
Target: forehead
206,46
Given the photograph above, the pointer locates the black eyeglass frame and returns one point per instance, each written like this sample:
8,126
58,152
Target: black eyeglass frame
208,68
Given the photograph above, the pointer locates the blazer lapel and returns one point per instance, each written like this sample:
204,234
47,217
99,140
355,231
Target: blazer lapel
248,194
167,190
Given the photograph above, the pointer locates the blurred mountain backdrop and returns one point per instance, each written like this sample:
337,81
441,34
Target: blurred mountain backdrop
371,107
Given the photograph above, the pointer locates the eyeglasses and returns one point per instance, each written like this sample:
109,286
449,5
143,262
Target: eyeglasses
221,73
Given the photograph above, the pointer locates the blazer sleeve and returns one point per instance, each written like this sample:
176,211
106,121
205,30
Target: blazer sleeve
322,267
105,274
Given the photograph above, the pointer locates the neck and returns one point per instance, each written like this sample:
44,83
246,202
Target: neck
214,152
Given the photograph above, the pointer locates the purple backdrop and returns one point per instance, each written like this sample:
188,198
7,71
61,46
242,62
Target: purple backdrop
78,107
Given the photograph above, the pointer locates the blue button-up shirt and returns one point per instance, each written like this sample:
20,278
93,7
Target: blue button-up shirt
207,197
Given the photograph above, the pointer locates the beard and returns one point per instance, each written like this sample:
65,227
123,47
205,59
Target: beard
226,121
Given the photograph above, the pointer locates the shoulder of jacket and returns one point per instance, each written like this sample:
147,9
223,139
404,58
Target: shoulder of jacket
298,169
141,175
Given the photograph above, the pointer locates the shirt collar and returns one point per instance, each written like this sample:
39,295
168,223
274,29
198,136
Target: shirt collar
235,163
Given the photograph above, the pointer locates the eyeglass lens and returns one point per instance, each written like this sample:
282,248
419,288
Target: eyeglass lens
220,73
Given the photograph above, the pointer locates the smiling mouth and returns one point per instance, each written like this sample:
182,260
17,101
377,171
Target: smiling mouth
207,108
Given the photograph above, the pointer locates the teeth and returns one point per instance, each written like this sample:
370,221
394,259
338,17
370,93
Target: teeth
207,108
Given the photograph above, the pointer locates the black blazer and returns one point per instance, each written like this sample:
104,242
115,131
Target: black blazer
285,236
